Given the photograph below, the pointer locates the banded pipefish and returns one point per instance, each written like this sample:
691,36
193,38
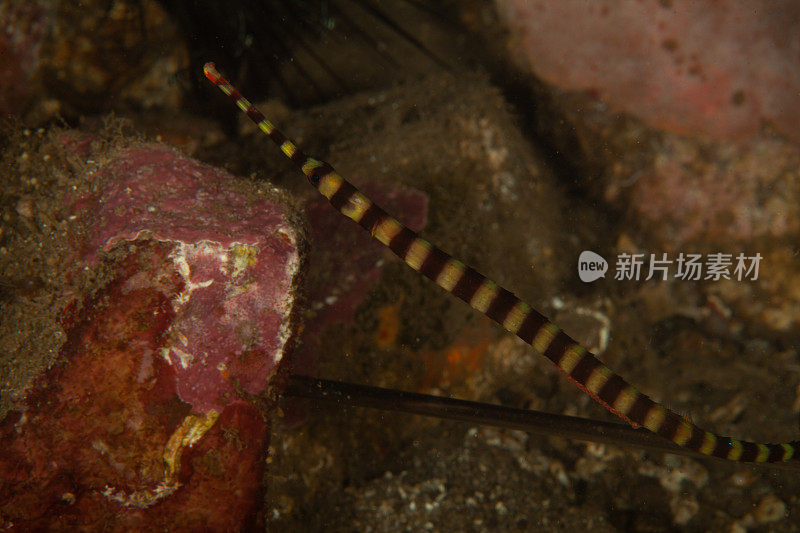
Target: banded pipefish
581,366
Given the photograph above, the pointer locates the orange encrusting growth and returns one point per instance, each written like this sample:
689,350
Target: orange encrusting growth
484,295
458,363
388,326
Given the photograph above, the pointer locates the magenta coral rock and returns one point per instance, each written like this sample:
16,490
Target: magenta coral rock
236,256
145,422
715,68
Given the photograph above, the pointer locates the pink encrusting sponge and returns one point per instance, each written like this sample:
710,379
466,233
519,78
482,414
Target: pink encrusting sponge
236,255
145,420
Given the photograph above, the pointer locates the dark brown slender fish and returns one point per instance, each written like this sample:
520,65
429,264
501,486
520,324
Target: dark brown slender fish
499,304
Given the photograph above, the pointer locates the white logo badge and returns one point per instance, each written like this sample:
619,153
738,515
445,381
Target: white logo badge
591,266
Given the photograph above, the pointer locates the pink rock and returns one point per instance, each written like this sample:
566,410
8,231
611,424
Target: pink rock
725,195
717,68
145,421
237,257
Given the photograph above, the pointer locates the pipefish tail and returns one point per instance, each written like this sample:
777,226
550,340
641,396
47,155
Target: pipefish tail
482,294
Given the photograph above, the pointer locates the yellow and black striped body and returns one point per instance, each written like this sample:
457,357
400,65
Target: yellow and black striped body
484,295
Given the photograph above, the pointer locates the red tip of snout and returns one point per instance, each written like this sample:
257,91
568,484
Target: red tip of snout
210,70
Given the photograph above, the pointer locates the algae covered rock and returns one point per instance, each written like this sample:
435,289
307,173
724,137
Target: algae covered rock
171,288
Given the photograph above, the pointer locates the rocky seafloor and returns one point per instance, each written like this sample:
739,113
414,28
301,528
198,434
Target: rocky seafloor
516,187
